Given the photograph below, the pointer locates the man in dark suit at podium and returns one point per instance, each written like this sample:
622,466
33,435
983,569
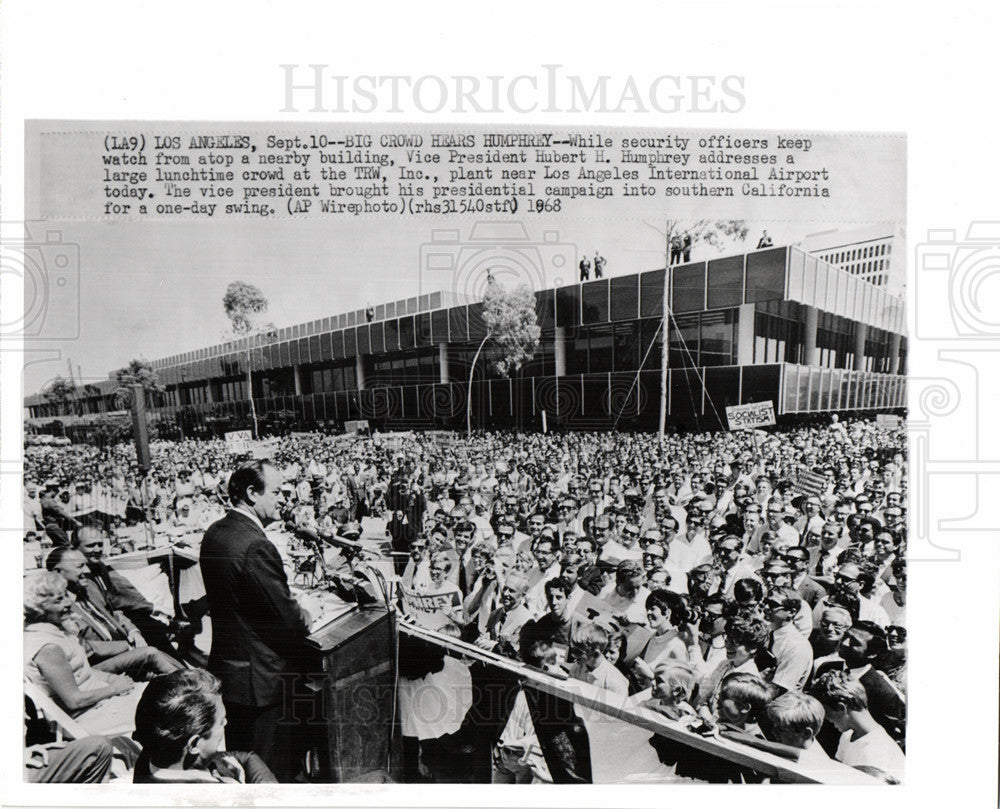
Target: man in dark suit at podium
258,628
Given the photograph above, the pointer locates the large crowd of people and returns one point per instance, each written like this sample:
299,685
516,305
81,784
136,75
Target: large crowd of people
734,582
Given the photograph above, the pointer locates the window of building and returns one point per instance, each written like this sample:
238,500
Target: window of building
766,275
600,350
725,282
595,301
688,287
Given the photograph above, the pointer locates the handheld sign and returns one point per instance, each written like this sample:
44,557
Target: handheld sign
887,420
430,609
239,442
750,416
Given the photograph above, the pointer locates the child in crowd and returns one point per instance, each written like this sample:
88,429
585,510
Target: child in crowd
673,690
742,699
589,646
795,719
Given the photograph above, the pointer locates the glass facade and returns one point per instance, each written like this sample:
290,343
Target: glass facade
611,332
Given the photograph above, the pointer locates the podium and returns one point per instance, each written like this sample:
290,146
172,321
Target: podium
359,741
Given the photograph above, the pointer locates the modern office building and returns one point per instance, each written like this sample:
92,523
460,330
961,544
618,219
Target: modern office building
874,254
778,324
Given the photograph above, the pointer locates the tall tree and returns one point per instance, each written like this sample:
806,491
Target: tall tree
59,393
138,372
246,306
714,232
511,328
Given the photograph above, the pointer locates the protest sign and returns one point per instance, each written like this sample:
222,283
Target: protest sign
750,415
238,442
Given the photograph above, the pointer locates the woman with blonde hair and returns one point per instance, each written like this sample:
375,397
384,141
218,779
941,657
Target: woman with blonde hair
55,660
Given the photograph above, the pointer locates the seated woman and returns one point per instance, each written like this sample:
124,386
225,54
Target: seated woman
668,617
180,723
102,702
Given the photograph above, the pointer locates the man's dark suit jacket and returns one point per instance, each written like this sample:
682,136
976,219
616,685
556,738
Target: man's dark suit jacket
257,627
811,591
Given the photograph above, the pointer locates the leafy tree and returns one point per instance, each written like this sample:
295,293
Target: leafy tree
715,232
138,372
246,306
511,327
59,393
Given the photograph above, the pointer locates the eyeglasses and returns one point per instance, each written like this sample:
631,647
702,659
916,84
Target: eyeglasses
834,625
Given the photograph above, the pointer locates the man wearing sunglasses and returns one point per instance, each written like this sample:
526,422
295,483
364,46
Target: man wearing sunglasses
791,651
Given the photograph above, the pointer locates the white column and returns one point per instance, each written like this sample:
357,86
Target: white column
894,341
745,334
359,368
860,336
443,362
560,350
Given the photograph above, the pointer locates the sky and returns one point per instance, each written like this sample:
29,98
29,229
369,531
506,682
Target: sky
153,289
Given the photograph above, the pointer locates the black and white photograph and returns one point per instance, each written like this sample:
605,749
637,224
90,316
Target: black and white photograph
478,456
525,406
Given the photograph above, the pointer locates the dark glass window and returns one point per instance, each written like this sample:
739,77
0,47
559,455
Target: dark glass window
377,337
477,326
545,308
391,329
627,344
766,275
338,345
439,325
652,341
625,297
600,349
688,287
595,301
725,282
717,340
406,334
422,322
576,354
684,333
651,293
364,343
458,319
350,343
568,306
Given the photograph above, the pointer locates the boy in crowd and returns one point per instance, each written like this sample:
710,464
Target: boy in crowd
795,719
863,742
589,647
675,686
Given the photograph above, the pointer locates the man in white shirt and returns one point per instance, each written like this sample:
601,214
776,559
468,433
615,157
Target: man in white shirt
792,652
626,596
547,557
691,549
